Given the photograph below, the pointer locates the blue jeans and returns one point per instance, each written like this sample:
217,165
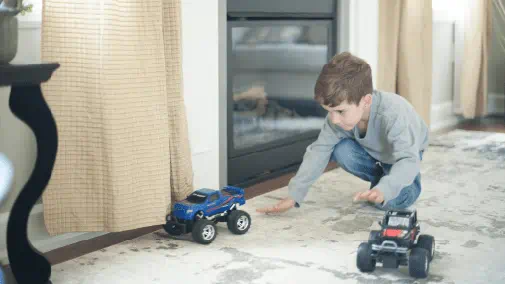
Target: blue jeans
355,160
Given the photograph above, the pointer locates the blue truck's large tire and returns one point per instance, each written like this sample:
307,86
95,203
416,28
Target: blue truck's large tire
204,231
172,230
239,222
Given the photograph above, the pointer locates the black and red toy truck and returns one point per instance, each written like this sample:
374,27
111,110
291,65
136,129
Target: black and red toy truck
399,242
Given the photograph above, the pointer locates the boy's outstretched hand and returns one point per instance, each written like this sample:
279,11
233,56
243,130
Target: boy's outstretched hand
373,195
283,205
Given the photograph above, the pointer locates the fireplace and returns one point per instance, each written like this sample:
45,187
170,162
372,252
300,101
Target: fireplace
276,49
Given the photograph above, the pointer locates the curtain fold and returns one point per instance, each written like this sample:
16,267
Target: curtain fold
181,173
123,153
389,31
471,102
405,51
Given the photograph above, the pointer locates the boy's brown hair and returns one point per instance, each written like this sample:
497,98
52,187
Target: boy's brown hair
345,78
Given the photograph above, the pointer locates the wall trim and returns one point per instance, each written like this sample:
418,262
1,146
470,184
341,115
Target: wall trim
496,103
442,116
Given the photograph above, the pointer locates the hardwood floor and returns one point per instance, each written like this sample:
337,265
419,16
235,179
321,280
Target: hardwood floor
493,124
489,124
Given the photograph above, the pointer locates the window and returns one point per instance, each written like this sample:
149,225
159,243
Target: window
227,191
398,221
273,69
213,197
196,198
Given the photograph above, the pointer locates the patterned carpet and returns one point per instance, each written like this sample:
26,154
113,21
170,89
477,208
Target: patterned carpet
462,205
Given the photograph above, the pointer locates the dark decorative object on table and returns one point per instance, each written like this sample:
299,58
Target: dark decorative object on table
28,104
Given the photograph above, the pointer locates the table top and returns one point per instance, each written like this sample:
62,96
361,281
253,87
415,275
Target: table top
26,74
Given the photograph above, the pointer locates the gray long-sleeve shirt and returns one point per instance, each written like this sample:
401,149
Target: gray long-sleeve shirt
395,135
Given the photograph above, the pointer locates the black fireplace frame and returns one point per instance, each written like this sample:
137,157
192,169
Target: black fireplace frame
265,161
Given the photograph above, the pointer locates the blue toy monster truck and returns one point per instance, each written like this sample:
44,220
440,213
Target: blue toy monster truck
203,209
399,242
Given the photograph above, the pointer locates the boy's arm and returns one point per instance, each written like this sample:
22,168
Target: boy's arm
401,139
315,160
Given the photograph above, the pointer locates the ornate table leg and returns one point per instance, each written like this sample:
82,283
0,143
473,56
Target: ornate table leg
29,265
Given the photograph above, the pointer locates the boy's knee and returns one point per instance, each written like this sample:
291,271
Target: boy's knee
354,159
344,150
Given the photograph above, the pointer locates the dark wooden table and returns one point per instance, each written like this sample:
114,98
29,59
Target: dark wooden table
28,104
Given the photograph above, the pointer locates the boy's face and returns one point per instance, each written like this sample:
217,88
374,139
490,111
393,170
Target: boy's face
346,115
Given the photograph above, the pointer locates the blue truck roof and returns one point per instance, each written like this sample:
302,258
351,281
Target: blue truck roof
205,191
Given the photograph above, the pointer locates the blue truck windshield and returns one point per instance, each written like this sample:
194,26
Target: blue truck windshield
197,198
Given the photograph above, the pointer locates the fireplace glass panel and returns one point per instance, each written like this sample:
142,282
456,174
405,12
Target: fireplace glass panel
274,67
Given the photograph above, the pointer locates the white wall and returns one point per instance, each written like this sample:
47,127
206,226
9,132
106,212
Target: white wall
203,89
364,32
200,46
448,40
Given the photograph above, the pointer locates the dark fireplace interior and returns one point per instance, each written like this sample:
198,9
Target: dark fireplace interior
276,49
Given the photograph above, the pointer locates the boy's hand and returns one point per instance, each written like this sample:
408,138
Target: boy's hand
373,195
282,206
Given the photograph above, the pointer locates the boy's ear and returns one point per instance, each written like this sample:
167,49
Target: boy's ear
367,99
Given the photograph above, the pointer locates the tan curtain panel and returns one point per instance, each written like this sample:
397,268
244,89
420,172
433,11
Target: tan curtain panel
123,153
471,101
405,51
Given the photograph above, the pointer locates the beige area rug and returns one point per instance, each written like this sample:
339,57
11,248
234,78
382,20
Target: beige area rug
462,205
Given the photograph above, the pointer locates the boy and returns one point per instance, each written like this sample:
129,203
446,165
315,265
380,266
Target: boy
376,136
